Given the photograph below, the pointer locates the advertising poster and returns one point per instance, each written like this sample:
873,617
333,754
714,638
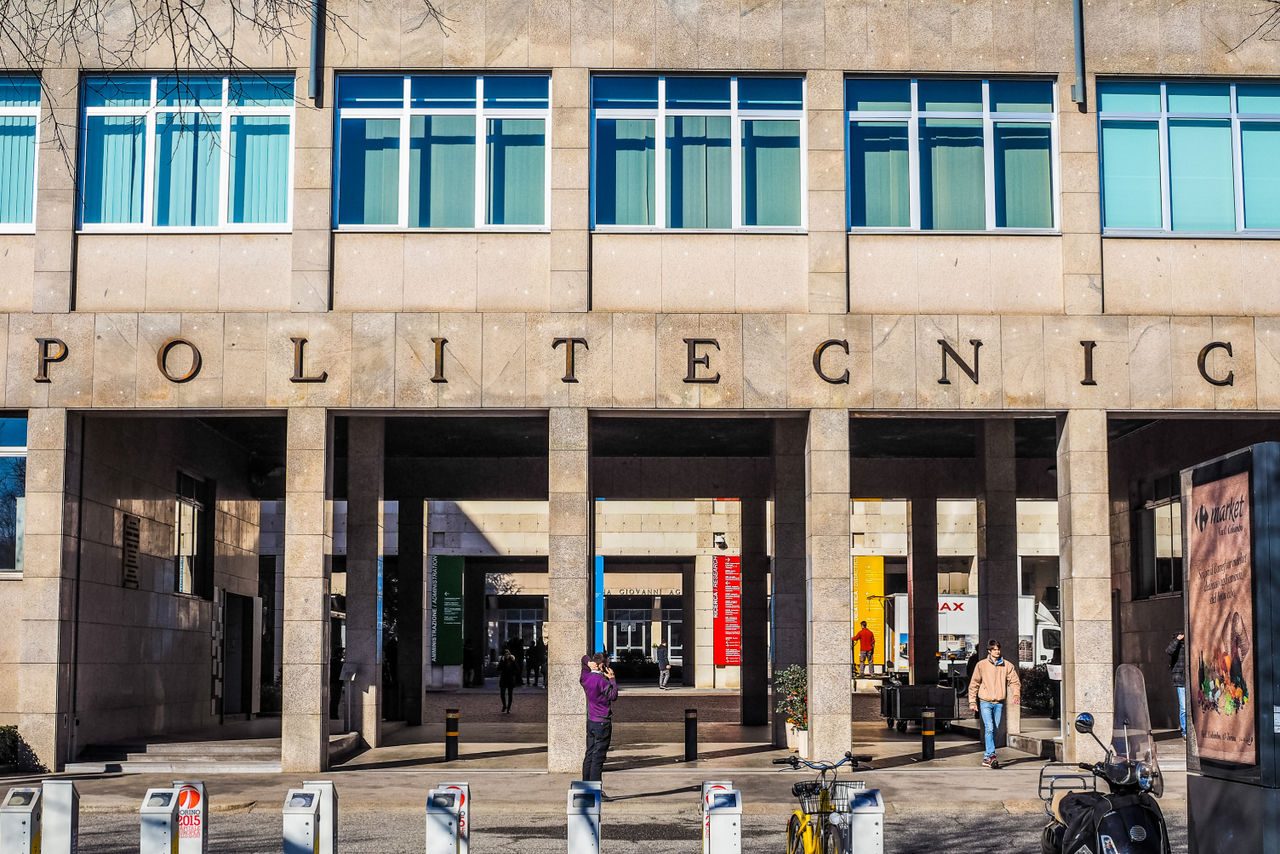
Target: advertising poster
868,600
446,609
726,609
1220,661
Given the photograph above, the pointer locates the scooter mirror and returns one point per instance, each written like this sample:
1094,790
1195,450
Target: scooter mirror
1084,723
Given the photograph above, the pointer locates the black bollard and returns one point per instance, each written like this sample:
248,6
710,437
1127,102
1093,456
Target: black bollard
690,735
451,717
928,723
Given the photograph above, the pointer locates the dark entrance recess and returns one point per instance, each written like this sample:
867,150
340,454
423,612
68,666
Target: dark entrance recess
237,660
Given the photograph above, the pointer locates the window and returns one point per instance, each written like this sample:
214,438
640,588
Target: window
1159,549
13,490
193,537
1200,157
697,152
191,153
19,136
443,151
938,154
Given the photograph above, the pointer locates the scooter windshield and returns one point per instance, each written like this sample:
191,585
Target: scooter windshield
1131,738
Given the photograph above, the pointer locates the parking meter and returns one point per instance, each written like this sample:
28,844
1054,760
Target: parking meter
582,818
61,822
193,816
442,821
159,822
722,821
20,822
464,814
301,819
866,822
328,813
709,785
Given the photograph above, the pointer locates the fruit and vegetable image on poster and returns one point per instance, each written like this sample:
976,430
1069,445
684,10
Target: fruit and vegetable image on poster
1220,661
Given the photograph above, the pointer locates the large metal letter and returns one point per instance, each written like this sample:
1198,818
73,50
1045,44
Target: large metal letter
822,348
1203,358
299,375
44,358
1088,362
949,351
438,377
571,346
704,360
162,360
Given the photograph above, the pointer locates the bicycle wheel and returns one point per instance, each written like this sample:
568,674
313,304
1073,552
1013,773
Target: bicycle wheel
795,835
832,841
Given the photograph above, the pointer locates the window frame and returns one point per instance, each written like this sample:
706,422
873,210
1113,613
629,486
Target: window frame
737,116
1161,119
913,118
225,112
35,113
483,115
1159,495
19,532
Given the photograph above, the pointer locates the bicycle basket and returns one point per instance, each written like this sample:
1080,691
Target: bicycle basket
838,794
843,792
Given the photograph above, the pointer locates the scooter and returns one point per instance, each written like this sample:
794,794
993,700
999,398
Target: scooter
1126,819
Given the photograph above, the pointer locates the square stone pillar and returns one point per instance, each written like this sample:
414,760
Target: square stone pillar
830,583
754,677
411,652
568,583
788,576
998,582
365,465
922,589
48,588
304,717
1084,548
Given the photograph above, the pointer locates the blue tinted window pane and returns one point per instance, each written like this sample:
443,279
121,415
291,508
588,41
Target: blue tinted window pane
359,90
699,172
1021,96
17,168
1201,181
771,172
261,91
442,171
516,183
951,95
625,181
369,172
19,91
770,93
952,175
1199,97
1128,97
1131,175
13,432
189,91
624,93
1260,151
877,94
113,152
697,93
186,169
1024,175
1258,98
13,489
117,91
880,169
443,91
522,91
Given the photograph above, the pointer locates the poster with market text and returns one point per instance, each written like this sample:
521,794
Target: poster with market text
1220,661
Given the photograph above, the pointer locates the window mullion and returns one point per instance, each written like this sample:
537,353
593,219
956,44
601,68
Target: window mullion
481,215
660,217
148,160
988,156
735,156
913,155
1237,160
224,157
403,178
1166,183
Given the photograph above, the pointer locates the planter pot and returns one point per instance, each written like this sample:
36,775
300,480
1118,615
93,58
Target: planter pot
791,737
802,743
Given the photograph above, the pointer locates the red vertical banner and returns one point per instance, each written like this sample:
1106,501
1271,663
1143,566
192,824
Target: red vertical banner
726,609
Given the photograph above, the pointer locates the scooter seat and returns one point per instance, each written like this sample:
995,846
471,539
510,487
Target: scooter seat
1056,806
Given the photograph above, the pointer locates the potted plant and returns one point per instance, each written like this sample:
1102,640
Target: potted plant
791,690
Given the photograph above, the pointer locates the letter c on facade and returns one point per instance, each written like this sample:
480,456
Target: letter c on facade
162,360
818,353
1202,363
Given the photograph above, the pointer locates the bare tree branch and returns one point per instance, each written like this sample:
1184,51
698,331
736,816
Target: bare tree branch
1268,20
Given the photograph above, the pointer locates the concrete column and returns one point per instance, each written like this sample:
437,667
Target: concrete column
830,582
998,582
922,589
312,237
754,677
700,633
365,465
689,628
55,239
1084,544
788,576
48,590
568,584
411,650
304,718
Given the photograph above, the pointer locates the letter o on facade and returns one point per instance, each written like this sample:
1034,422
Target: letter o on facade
162,360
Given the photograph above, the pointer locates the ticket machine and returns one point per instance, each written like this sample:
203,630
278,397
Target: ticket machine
20,815
61,817
464,814
193,816
582,817
159,822
328,813
301,818
722,821
442,821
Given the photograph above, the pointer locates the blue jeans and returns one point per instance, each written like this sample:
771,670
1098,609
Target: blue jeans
991,713
1182,708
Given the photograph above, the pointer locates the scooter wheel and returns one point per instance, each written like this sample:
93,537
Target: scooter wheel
888,723
902,726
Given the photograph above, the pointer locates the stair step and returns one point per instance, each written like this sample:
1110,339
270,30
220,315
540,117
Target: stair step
186,767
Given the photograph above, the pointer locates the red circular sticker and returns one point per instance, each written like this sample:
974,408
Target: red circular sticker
188,797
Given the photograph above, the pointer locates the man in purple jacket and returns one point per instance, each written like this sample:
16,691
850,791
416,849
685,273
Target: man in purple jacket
601,690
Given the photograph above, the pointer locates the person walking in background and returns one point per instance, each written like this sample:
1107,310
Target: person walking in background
508,678
866,649
601,690
1177,652
664,665
995,682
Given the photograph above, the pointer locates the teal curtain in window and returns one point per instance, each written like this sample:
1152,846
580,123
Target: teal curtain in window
17,168
952,175
368,172
881,167
1201,180
1260,151
517,164
113,164
1131,175
699,172
771,172
186,169
1024,179
442,172
259,169
625,183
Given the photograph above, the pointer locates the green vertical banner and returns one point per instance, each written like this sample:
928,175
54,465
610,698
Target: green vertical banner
446,609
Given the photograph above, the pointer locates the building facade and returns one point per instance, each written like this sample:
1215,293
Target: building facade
794,252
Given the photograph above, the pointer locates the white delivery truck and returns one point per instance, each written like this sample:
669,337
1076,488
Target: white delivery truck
1038,632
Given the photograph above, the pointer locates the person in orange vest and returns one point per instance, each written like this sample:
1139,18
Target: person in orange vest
866,646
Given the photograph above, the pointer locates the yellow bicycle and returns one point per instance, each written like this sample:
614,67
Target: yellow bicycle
810,830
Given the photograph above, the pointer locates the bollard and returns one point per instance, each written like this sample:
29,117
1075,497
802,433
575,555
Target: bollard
464,814
20,822
301,819
328,813
690,735
582,819
193,816
928,724
722,821
443,821
61,817
451,718
158,817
